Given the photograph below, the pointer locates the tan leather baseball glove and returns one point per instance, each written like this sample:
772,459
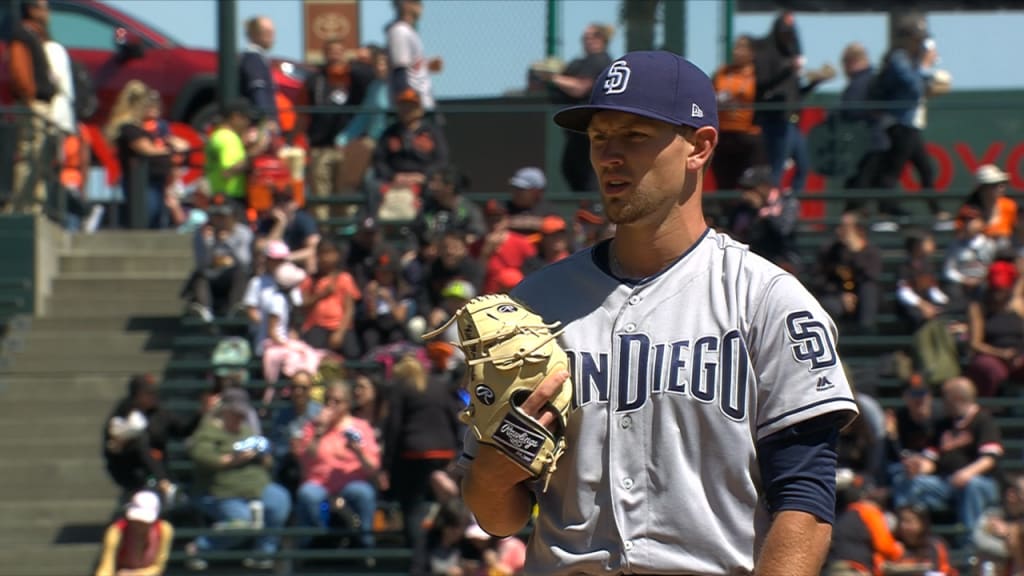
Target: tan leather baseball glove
510,350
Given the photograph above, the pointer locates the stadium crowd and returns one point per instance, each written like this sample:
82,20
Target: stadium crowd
328,440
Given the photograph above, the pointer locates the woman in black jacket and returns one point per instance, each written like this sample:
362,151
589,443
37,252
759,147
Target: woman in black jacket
422,438
136,436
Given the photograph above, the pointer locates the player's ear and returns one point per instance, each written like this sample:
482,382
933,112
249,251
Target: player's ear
704,141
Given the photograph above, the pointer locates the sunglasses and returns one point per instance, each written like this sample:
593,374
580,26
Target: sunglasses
334,400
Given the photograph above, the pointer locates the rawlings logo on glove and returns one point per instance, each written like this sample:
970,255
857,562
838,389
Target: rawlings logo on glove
510,350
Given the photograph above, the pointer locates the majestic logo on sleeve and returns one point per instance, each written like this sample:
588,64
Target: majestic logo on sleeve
812,343
617,79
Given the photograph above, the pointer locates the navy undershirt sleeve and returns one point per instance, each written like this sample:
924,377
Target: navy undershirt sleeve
798,467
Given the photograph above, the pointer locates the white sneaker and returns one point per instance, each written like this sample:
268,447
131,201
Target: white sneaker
92,221
202,311
885,226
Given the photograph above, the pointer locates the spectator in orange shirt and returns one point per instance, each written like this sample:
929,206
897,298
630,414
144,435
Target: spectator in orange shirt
502,248
989,196
329,298
340,459
739,139
861,539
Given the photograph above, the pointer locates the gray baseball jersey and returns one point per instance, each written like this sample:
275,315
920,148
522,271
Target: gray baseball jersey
676,379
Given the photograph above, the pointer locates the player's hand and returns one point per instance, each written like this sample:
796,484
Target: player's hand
535,403
436,64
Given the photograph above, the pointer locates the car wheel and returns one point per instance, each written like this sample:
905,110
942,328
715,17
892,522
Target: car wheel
204,118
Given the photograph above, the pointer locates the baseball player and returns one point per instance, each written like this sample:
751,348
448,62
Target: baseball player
708,391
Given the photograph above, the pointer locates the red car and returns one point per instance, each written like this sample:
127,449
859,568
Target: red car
116,48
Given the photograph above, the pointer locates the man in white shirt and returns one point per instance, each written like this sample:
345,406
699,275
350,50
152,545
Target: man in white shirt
409,66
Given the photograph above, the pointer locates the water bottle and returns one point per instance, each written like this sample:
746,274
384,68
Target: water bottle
325,513
988,568
256,508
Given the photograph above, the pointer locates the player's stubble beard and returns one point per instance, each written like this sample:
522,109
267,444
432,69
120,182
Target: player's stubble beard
636,205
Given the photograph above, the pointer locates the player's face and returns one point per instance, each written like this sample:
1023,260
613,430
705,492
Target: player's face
640,165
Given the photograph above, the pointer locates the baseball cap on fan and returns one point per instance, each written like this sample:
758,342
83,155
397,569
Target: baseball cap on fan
654,84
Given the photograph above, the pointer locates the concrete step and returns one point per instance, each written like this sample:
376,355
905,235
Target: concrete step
108,386
64,560
40,523
128,305
56,479
156,262
94,324
52,341
35,449
128,240
50,363
92,286
56,430
55,404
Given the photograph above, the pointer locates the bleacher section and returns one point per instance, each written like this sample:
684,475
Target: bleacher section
866,355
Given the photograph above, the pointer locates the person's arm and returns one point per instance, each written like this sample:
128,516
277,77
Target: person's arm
143,146
348,314
254,83
798,472
951,270
882,541
796,545
573,86
23,80
306,256
906,295
990,449
272,330
976,326
108,557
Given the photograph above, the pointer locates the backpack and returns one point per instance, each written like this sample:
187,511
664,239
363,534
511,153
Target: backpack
231,356
86,101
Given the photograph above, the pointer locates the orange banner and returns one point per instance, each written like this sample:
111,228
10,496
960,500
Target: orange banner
328,19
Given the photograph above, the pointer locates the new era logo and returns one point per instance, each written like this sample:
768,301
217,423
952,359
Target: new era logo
824,384
696,112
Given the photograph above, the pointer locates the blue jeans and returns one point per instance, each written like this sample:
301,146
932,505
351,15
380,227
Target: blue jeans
277,506
782,141
936,493
359,494
156,209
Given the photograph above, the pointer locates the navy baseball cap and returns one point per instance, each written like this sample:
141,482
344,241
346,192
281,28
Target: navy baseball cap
654,84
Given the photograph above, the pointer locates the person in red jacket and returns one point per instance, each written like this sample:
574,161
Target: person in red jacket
501,249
